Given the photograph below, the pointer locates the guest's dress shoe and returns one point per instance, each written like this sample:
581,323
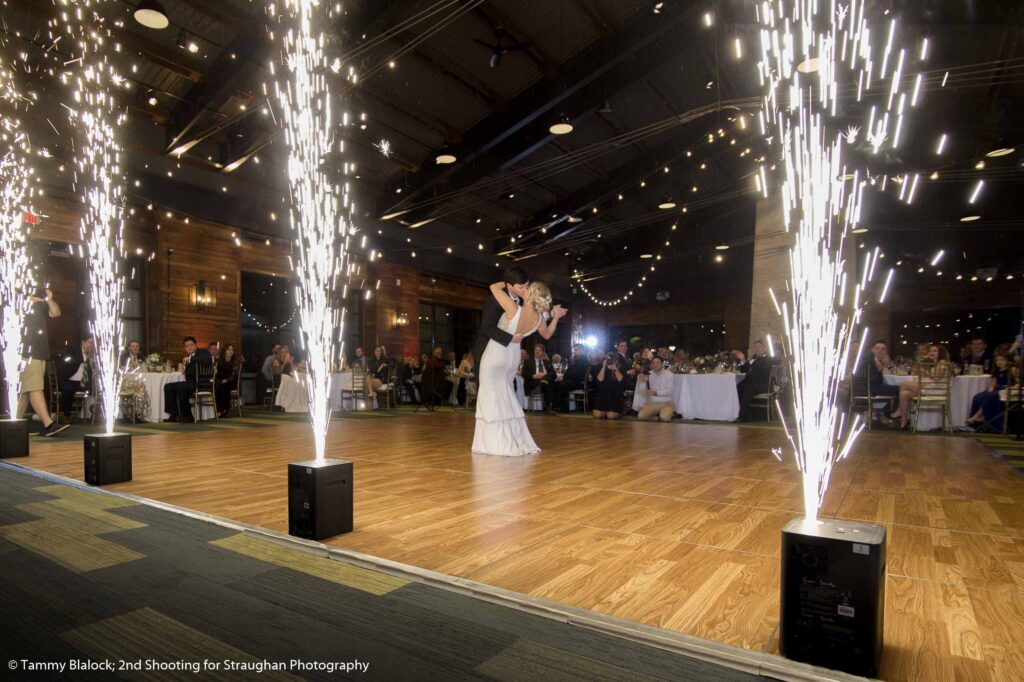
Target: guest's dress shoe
172,419
187,420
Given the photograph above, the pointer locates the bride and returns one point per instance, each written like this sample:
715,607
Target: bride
500,426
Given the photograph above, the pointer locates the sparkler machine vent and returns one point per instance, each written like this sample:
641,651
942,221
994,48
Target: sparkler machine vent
833,594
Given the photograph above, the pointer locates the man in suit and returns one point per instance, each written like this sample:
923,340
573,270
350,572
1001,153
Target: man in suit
516,282
176,394
360,361
980,353
131,357
538,373
626,362
758,370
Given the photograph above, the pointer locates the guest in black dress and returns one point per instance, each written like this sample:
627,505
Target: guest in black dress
609,388
229,365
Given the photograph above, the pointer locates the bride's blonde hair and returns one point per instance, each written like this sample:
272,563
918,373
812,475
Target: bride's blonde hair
540,296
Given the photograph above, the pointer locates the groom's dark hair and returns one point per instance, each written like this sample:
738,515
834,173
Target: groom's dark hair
516,275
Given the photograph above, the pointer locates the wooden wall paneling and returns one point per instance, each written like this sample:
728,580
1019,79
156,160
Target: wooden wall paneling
398,292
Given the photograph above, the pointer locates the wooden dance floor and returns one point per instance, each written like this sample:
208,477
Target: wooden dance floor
675,526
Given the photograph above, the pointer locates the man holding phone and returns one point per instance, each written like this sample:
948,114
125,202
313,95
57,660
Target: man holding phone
36,351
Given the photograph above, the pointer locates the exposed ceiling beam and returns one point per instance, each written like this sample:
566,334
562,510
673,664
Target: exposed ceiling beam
607,66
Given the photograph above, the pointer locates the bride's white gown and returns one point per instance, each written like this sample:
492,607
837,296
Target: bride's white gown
500,426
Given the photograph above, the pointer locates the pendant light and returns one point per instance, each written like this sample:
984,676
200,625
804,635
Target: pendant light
151,14
561,127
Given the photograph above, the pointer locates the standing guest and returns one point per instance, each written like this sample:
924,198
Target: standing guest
360,361
229,367
987,407
659,388
538,373
131,357
758,370
214,349
176,394
467,378
609,388
76,373
35,349
625,361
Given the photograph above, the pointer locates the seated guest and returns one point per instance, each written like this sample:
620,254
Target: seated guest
408,375
278,365
870,377
267,371
609,388
229,367
658,388
980,354
76,373
538,374
523,357
987,407
214,349
574,376
360,361
131,357
288,364
681,359
758,370
177,394
935,365
379,369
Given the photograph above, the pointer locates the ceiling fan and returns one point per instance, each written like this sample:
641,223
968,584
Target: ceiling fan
503,46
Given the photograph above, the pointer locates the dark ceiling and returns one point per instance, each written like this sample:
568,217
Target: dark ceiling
660,105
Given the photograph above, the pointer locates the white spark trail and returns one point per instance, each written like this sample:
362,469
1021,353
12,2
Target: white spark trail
15,196
321,212
100,179
817,207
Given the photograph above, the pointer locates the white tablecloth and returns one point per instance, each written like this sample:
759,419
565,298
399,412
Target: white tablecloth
962,390
701,396
291,394
342,381
154,382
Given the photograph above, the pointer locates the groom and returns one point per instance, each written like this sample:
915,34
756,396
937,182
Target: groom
516,282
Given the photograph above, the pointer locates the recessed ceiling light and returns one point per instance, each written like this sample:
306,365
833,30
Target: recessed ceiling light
808,66
970,218
151,14
722,247
1002,151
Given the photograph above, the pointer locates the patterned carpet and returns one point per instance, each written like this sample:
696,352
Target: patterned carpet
89,576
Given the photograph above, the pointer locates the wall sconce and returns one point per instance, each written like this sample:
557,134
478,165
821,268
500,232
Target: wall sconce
400,320
202,296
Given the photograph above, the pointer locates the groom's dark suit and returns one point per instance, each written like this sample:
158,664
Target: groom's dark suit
489,330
